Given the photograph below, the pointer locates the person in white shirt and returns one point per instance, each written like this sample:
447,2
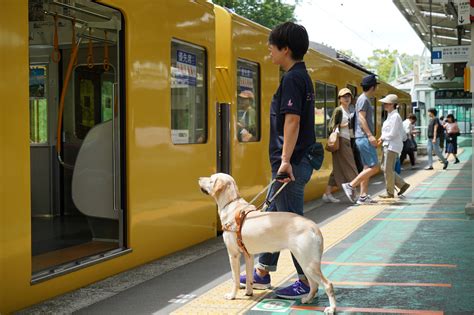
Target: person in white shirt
392,143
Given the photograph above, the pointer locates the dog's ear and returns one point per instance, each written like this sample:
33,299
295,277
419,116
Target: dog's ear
218,186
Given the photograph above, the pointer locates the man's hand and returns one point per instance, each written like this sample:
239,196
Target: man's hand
379,141
285,167
434,140
373,141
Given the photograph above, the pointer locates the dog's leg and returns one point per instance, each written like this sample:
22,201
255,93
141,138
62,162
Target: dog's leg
249,275
234,259
314,273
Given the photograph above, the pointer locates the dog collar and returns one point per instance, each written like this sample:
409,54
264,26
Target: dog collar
238,197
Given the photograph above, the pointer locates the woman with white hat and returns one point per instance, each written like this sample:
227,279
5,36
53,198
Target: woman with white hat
392,142
344,167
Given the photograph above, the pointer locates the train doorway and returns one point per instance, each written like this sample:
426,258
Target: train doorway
76,135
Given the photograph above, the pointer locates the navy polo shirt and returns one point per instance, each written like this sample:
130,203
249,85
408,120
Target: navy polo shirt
295,95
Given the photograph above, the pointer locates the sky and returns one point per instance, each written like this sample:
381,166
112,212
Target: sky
359,25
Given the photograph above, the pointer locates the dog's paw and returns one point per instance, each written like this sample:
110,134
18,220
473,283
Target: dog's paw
306,300
329,310
249,292
229,296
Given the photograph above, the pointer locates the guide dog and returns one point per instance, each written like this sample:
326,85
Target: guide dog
266,232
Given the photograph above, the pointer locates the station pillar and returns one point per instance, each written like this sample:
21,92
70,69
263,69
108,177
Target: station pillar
470,64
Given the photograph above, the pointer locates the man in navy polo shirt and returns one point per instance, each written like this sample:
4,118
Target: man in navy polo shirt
291,134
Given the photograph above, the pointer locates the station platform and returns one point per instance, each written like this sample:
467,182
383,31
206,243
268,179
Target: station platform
413,255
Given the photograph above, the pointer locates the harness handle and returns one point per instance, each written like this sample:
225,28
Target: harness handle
56,54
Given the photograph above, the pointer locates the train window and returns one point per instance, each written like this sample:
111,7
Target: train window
38,104
188,93
373,100
319,109
93,97
353,90
331,101
248,101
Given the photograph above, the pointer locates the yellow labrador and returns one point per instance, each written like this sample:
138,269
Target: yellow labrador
267,232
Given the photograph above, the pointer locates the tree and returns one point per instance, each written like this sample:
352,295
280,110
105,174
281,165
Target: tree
268,13
387,63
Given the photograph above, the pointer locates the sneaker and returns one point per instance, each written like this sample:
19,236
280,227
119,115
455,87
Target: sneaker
365,200
350,193
403,189
259,283
386,196
414,167
429,168
295,291
445,165
330,198
457,161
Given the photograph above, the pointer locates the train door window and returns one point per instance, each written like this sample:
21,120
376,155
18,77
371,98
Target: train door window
38,104
93,93
331,101
248,101
383,111
188,93
77,218
320,109
373,101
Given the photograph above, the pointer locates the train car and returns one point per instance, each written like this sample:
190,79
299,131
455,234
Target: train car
109,117
135,102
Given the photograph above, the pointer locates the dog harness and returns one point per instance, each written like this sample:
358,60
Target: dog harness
239,221
240,216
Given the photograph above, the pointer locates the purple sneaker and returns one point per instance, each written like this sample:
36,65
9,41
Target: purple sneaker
259,283
295,291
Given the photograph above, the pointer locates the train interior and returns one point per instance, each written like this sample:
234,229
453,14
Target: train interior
74,66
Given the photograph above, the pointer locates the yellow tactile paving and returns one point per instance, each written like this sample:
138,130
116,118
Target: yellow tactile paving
213,302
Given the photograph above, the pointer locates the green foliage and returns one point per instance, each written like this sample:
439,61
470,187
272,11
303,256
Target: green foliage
268,13
384,63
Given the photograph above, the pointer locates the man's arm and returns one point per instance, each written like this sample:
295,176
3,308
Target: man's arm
290,136
435,133
365,128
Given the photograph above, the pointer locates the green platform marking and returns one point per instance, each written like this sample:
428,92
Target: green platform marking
273,305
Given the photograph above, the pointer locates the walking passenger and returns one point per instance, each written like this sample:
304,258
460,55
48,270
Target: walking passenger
441,134
344,168
365,141
409,145
434,131
392,144
291,134
452,132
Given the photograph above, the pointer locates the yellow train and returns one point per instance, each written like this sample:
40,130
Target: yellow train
144,97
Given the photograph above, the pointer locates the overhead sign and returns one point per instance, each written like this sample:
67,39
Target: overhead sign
464,12
451,54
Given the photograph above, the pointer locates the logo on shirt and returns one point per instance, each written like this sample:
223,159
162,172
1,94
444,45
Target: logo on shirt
290,103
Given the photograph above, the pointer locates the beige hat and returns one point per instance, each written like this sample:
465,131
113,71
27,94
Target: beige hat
344,91
390,99
246,94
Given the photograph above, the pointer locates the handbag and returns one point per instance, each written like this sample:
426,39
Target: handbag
315,155
333,141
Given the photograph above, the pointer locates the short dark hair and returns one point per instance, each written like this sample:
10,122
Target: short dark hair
452,117
433,111
291,35
365,88
412,117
